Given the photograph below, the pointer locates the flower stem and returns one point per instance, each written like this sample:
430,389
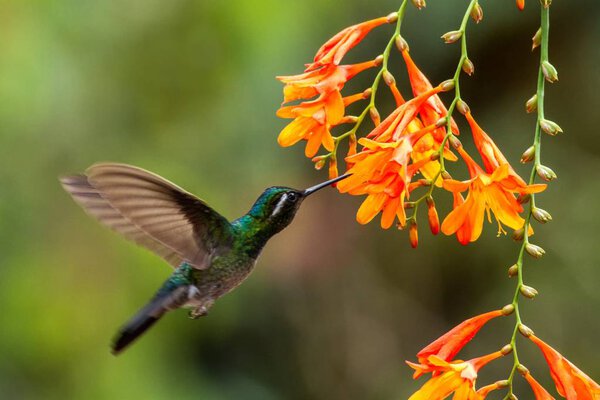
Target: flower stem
545,28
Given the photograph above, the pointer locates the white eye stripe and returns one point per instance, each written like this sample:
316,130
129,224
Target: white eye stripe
279,205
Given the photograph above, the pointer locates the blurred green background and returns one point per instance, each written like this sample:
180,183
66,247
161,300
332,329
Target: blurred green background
187,89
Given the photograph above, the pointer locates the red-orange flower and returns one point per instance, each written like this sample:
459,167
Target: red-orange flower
336,48
521,4
570,381
449,344
487,192
322,81
538,390
457,377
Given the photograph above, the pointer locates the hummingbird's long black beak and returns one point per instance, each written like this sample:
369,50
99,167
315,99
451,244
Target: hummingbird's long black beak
313,189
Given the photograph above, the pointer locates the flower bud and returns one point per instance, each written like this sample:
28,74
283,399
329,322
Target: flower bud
393,17
447,85
523,198
409,204
522,369
507,349
503,384
441,122
521,4
512,396
525,330
432,215
455,142
462,107
528,291
518,234
550,127
401,44
319,162
545,173
541,215
446,175
388,78
549,72
425,182
534,250
349,119
477,14
546,3
528,155
333,169
375,116
531,104
413,234
419,3
367,93
452,36
513,270
435,156
508,309
536,40
468,67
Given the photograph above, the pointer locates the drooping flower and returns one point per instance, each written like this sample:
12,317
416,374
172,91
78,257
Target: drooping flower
570,381
487,192
336,48
313,121
538,390
484,391
449,344
322,81
458,377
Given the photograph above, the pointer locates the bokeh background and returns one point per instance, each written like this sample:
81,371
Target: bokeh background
187,89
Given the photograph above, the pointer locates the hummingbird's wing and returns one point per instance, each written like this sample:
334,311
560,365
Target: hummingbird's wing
167,214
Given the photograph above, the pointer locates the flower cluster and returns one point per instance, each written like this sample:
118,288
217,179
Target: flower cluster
450,376
404,151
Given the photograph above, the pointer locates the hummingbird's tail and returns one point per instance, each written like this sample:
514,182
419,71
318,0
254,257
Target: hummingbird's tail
147,316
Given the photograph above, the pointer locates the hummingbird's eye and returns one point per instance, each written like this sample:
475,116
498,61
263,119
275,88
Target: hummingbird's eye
292,197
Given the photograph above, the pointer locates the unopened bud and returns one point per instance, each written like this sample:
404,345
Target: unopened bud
477,14
521,4
528,291
468,67
319,162
455,142
375,116
531,104
503,383
536,39
541,215
528,155
462,107
550,127
367,93
546,3
534,250
523,198
507,349
419,3
413,234
549,72
425,182
349,119
518,234
435,156
409,204
441,122
447,85
432,216
525,330
452,36
508,309
522,369
393,17
378,60
388,78
401,44
446,175
545,173
513,270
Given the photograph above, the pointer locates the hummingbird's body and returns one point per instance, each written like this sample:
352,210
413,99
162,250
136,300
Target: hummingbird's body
211,256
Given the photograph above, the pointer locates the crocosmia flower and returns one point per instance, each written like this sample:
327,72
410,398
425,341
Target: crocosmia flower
570,381
538,390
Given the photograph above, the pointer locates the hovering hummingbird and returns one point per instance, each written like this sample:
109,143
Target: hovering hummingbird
211,255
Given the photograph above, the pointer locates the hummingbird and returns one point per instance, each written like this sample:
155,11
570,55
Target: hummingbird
210,255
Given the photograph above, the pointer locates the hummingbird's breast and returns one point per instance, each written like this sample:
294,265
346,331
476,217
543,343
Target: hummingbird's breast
225,274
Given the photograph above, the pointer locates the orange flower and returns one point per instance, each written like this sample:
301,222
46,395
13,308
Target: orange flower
313,121
570,381
521,4
487,192
538,390
484,391
336,48
434,109
457,377
321,81
449,344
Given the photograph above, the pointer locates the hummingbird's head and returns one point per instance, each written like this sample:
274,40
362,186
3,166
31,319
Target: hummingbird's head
278,205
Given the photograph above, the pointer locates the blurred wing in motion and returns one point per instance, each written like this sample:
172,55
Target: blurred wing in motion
152,212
